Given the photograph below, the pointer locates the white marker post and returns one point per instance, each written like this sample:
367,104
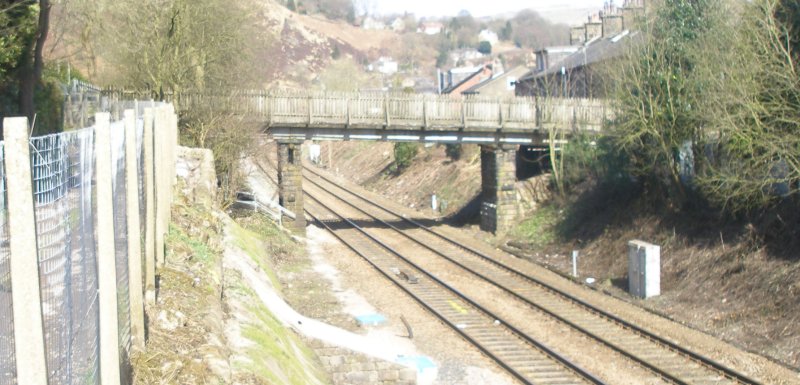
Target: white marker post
575,263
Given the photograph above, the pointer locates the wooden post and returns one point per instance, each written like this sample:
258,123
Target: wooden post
347,109
424,112
83,110
135,291
386,110
24,261
309,111
270,109
106,262
150,210
502,121
463,114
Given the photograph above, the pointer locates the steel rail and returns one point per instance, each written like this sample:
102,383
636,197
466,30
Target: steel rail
696,357
535,344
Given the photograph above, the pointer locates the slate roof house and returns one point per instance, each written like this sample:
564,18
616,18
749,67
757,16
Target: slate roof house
500,85
482,74
599,41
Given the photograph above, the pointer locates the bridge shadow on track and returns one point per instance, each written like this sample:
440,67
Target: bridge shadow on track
374,224
469,214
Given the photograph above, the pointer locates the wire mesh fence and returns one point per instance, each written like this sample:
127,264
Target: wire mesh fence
62,166
7,359
121,233
65,209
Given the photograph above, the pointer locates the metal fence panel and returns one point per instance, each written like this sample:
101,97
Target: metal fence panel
62,169
121,234
140,177
8,366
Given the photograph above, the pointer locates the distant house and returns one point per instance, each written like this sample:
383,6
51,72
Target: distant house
431,28
384,65
602,39
466,55
548,56
455,76
398,25
500,85
482,74
371,23
488,35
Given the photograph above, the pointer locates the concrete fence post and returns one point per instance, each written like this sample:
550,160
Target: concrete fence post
106,262
135,290
24,261
173,159
150,209
159,161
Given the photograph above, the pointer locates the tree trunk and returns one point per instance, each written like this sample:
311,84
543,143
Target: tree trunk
32,72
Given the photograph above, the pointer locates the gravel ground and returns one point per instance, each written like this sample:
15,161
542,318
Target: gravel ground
587,353
333,284
751,364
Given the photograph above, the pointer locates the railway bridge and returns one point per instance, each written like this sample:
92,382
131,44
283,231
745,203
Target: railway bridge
498,125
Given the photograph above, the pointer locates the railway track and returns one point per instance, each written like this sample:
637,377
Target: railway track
523,357
662,357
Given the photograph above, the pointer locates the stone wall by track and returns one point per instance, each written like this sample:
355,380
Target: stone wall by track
352,368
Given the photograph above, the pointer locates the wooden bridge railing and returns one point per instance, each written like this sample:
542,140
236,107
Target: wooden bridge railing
290,108
408,111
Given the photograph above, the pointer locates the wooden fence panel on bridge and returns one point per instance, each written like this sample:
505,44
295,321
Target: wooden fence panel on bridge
424,111
513,118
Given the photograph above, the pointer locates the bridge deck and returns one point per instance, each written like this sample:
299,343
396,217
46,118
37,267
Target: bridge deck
412,117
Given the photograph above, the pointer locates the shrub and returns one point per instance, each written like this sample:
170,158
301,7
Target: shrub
404,153
453,151
485,48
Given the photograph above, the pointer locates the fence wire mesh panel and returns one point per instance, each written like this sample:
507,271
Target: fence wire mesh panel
121,234
7,359
140,176
62,170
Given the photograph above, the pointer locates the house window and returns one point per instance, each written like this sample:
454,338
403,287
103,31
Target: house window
511,83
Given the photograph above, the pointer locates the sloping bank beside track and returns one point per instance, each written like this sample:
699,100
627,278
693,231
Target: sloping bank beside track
215,318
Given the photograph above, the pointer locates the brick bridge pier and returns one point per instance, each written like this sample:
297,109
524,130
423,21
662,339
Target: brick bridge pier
498,192
290,183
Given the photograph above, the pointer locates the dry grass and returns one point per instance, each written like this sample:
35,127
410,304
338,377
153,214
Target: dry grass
185,328
189,340
717,276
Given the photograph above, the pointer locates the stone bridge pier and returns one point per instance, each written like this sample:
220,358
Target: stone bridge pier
290,183
498,190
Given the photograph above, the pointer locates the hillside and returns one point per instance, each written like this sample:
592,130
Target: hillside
302,46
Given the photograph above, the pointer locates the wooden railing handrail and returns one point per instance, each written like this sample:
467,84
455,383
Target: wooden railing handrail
303,108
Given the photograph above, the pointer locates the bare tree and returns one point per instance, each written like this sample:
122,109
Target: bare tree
755,155
182,45
33,62
659,94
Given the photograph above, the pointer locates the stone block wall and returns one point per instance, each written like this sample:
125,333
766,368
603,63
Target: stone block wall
352,368
290,183
498,179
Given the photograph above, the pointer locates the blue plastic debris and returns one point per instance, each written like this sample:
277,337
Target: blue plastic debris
422,363
371,319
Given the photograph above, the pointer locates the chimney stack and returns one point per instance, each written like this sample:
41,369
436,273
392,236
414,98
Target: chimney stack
632,13
593,29
577,35
612,25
